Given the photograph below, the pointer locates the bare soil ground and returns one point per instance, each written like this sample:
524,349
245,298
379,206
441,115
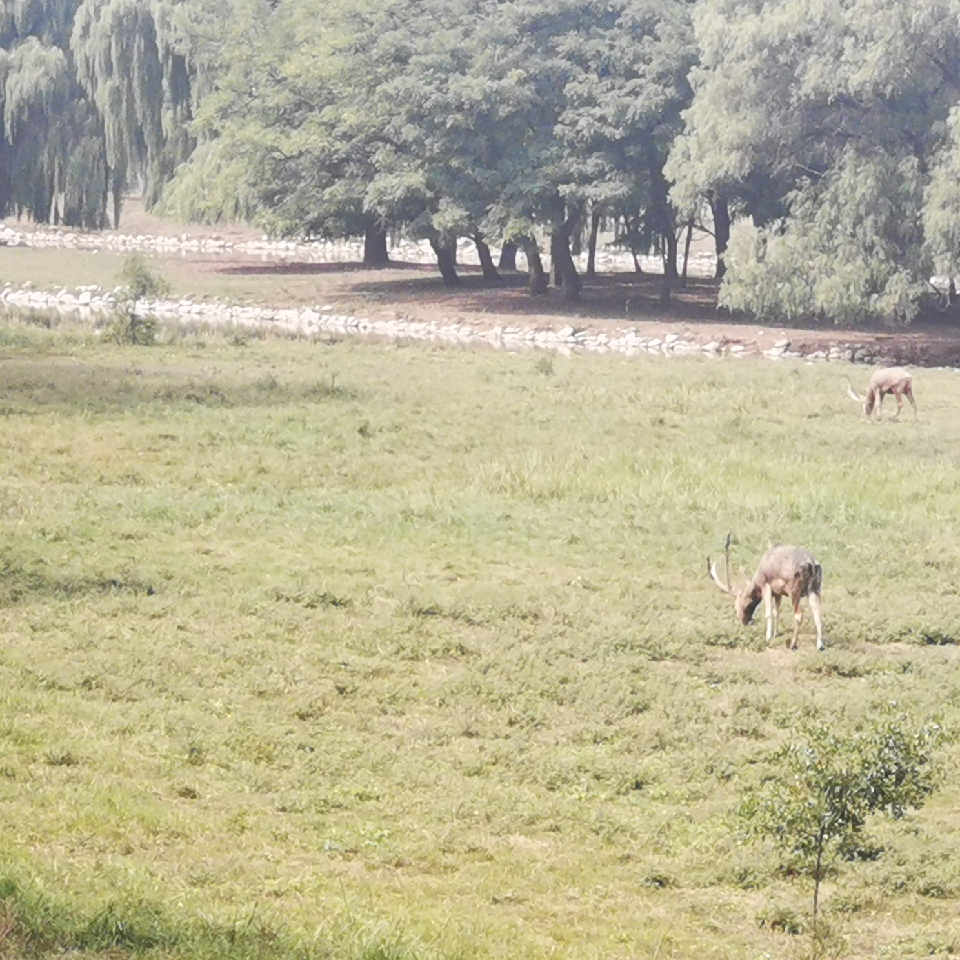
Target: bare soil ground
611,303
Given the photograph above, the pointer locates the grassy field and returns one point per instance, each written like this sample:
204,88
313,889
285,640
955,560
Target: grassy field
387,651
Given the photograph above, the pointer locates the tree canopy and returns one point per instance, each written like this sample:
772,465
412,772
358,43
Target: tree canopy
826,133
447,118
829,126
52,163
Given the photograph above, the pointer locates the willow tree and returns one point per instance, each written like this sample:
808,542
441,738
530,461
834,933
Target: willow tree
53,166
142,64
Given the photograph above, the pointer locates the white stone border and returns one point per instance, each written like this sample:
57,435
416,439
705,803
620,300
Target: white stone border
93,305
608,257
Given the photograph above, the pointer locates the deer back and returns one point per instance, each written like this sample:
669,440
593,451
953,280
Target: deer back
788,571
886,378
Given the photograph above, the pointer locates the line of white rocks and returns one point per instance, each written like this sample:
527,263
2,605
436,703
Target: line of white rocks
93,305
609,258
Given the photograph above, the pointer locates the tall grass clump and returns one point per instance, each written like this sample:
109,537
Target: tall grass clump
38,924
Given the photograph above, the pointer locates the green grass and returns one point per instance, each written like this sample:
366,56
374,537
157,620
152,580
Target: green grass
361,650
212,277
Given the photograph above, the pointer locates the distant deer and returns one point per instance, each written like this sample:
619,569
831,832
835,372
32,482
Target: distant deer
782,572
886,380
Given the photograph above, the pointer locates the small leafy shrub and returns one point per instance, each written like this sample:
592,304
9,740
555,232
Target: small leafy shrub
822,792
139,282
330,390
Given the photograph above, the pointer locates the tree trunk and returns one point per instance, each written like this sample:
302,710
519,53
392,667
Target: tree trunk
666,288
668,255
375,245
105,194
670,249
686,252
555,271
721,231
508,256
629,236
486,260
669,266
446,251
576,238
564,268
117,202
539,283
664,220
52,215
592,244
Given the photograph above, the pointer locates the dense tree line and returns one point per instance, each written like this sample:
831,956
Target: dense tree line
826,133
97,96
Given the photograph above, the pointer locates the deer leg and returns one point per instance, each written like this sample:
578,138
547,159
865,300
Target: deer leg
797,620
814,599
899,397
913,403
768,610
880,398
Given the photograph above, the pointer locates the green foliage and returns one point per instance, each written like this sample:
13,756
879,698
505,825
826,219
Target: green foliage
941,209
444,119
96,95
849,250
294,123
824,790
53,165
829,128
821,794
139,283
140,62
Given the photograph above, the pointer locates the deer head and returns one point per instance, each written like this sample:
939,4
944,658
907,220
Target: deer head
867,401
746,600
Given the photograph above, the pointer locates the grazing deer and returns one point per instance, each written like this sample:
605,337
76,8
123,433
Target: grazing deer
782,572
886,380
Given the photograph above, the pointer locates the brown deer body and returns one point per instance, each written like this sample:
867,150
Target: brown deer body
782,572
886,380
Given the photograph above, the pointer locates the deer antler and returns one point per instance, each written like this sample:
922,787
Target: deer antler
712,569
853,393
